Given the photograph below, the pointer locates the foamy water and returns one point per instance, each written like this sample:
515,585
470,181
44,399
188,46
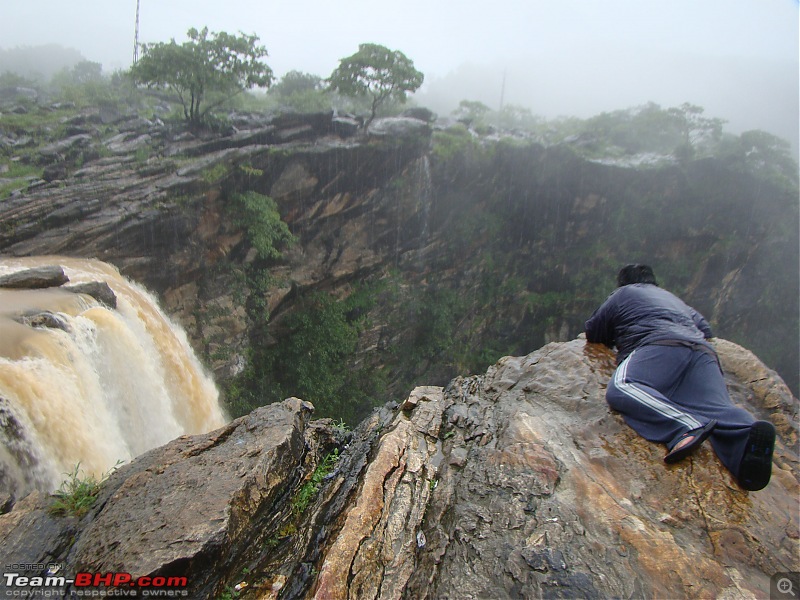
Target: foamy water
107,387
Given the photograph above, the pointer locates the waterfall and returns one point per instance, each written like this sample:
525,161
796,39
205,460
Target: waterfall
97,385
425,195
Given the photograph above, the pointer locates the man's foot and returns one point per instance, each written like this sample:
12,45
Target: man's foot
755,468
689,442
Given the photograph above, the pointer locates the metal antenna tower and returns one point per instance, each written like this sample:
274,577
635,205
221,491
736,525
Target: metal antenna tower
136,36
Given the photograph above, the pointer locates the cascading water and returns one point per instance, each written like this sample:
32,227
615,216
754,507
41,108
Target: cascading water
425,195
97,385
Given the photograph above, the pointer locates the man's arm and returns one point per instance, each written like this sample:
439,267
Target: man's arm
600,326
701,323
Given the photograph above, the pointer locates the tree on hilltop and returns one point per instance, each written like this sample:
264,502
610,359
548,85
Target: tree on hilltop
303,92
471,111
210,66
378,73
296,82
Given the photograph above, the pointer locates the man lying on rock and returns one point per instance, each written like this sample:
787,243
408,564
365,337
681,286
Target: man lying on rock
668,384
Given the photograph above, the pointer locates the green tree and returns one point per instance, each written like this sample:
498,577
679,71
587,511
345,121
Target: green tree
10,79
296,82
302,91
378,73
696,129
214,66
83,84
512,116
471,111
764,155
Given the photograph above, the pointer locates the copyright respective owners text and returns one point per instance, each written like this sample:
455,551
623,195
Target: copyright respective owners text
785,585
51,581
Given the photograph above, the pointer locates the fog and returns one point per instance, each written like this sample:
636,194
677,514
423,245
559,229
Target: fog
736,58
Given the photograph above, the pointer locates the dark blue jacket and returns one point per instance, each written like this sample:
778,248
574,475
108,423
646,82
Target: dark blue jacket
641,313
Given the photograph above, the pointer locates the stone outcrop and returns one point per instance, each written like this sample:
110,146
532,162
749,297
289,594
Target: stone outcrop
36,278
519,483
188,508
99,290
52,276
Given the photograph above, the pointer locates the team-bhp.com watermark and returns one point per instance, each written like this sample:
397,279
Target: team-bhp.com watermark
48,581
27,581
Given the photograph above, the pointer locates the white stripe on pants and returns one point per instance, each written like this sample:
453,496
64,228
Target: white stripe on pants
638,394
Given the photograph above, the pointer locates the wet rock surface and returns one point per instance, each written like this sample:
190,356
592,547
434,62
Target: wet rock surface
185,509
559,498
99,290
37,278
519,483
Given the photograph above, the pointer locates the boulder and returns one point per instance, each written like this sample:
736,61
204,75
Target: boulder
557,497
346,127
46,319
128,143
399,127
135,124
54,172
64,147
87,117
99,290
421,113
36,278
184,509
32,536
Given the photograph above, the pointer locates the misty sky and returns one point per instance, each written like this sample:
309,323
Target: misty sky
736,58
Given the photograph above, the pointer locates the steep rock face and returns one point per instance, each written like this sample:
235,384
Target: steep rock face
525,239
166,219
517,483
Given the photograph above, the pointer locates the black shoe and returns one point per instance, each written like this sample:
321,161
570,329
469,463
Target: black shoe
699,436
755,468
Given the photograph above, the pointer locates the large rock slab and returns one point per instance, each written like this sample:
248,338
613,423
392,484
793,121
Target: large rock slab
185,509
376,547
557,497
36,278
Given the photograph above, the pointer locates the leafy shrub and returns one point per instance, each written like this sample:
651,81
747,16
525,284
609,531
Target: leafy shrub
258,215
314,357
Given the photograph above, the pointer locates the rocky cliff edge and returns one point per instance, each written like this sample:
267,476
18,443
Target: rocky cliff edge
519,483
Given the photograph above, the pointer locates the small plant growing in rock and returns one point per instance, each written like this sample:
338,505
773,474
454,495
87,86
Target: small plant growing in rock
78,492
228,594
251,171
310,488
340,427
215,174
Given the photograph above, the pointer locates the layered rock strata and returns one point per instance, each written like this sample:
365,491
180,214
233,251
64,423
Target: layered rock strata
519,483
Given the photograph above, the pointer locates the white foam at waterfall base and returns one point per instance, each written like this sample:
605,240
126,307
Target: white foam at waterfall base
107,387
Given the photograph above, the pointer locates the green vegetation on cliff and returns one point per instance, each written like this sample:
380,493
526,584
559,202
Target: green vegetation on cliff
314,357
258,215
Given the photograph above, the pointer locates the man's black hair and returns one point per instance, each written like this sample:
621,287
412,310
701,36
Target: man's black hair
636,274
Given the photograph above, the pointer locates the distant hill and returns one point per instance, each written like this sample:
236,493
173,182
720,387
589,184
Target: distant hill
38,62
